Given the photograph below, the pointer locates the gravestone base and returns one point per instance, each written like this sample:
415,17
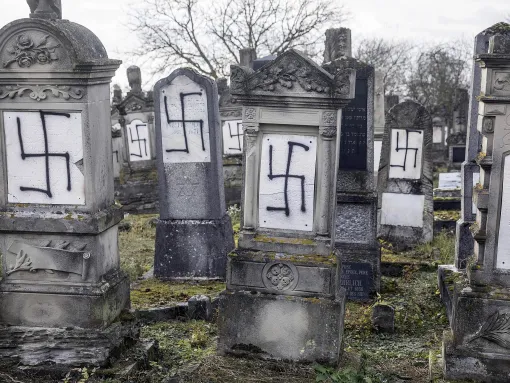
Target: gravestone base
71,346
449,280
405,237
281,327
464,243
137,189
361,270
192,249
61,305
477,348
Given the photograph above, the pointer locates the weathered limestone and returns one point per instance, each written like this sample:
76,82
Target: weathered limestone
458,131
194,232
478,346
405,204
356,223
283,298
58,221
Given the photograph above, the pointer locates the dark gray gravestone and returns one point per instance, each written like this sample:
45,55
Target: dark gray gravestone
194,232
357,279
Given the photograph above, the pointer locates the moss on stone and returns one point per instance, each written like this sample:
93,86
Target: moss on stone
295,241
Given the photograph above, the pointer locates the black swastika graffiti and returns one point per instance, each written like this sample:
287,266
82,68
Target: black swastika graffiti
184,122
139,140
46,154
286,176
406,148
239,134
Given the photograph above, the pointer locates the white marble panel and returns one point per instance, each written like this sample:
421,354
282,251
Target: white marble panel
139,145
287,182
233,137
450,181
503,251
402,209
184,122
377,154
44,157
406,154
437,135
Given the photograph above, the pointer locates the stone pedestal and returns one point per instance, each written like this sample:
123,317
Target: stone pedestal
194,232
58,221
283,298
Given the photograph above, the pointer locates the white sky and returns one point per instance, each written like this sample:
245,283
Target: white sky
417,20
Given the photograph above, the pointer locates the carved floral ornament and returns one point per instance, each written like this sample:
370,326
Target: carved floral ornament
280,276
28,52
496,330
38,92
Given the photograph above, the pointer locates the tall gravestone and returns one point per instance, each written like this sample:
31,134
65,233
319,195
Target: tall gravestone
405,204
439,147
62,289
470,170
478,346
458,131
194,232
356,220
283,297
379,119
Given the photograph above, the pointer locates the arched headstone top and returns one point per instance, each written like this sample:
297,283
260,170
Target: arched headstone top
408,114
39,45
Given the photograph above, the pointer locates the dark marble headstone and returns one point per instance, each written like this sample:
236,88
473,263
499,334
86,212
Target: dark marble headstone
353,139
459,154
357,279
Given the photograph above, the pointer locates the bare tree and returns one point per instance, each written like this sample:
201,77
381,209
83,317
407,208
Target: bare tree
436,74
392,58
207,37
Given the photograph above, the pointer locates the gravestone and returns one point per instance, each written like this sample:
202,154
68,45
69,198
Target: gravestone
283,298
458,131
470,170
117,150
439,147
405,205
389,102
450,181
478,346
62,289
356,222
137,186
379,119
194,232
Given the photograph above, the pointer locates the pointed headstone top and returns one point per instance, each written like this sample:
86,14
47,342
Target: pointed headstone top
45,9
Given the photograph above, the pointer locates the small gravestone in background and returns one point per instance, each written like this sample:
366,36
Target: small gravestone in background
478,346
283,300
117,150
62,289
194,232
405,206
439,149
458,132
356,223
449,181
379,119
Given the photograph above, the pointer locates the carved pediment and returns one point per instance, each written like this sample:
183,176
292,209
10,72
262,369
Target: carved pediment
292,74
134,103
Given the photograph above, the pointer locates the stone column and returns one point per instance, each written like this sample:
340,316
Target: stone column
479,344
356,225
405,202
283,298
194,232
62,289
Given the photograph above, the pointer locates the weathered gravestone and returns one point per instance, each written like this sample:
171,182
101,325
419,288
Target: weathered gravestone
194,232
62,289
478,346
439,149
117,138
470,170
379,119
449,181
137,187
405,205
283,297
458,131
356,223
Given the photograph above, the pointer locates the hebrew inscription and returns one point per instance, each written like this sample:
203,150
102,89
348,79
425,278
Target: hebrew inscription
44,157
233,137
184,122
287,182
406,153
138,141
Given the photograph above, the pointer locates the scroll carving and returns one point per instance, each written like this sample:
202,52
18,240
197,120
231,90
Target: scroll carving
38,92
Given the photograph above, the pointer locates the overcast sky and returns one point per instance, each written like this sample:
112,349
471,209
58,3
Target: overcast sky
418,20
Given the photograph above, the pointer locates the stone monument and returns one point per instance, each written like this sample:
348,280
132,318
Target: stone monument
379,118
62,289
405,204
356,220
478,346
439,148
458,132
283,297
194,232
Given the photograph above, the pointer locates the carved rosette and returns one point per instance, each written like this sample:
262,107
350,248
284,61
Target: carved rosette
280,276
39,92
27,52
329,118
250,114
